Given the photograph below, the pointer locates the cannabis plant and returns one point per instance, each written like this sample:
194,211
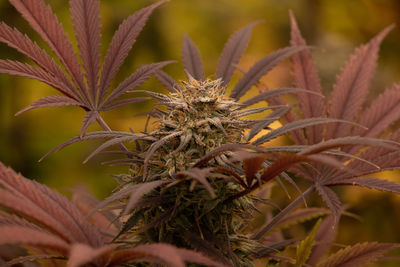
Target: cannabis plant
200,177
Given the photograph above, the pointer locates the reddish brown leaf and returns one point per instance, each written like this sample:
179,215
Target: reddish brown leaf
232,52
358,254
352,84
260,68
90,117
325,236
305,76
26,70
121,44
19,41
29,236
199,175
45,23
86,19
383,111
166,80
50,101
54,204
133,81
81,254
157,253
191,59
331,200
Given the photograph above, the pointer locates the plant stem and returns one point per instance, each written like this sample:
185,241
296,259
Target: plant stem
280,215
105,126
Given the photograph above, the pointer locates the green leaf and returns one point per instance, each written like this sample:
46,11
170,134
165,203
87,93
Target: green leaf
303,250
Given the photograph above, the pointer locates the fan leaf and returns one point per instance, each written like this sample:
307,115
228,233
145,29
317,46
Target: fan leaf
358,254
352,84
26,70
121,44
29,236
383,111
86,20
232,52
299,124
305,76
81,254
45,23
17,40
134,80
167,81
50,101
260,68
191,59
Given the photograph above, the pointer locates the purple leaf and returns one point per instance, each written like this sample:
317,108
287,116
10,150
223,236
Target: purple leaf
166,80
90,117
19,41
50,101
121,44
134,80
305,76
191,59
86,19
260,68
352,84
232,53
45,23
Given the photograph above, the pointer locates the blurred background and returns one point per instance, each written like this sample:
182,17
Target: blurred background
334,28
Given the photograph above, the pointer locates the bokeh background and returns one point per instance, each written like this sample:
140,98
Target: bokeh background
334,28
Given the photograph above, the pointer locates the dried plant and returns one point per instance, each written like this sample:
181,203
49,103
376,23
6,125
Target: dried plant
200,178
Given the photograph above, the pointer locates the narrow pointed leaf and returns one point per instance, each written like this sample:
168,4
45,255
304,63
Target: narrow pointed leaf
166,80
358,255
191,59
50,101
156,253
31,258
124,102
90,117
324,238
232,52
123,193
15,39
305,76
260,68
300,124
93,135
86,20
199,175
274,93
331,200
139,192
156,145
134,80
301,215
350,140
45,23
81,254
303,250
352,84
372,183
381,113
28,236
26,70
264,123
111,142
121,44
